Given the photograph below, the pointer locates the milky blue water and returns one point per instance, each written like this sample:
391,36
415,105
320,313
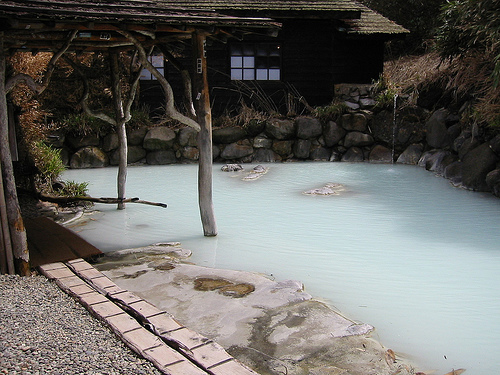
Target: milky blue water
401,250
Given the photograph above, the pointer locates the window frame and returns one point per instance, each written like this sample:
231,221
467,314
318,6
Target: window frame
154,59
255,61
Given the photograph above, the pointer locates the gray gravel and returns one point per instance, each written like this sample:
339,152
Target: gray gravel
45,331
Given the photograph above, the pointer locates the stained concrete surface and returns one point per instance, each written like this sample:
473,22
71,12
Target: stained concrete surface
274,327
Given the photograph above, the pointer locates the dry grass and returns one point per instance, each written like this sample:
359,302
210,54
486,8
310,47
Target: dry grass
408,72
469,77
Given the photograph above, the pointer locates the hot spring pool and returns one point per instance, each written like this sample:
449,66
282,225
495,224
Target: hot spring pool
401,250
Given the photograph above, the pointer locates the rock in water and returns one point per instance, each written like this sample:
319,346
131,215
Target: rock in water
330,188
256,173
231,167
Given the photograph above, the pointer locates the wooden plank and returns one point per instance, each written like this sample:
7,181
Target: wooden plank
50,242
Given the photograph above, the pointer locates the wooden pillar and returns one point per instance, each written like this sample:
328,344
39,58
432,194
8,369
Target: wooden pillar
17,231
204,119
120,124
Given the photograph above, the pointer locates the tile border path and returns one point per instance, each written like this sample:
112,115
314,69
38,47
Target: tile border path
152,333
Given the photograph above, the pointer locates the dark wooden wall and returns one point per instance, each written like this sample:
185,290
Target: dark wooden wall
315,57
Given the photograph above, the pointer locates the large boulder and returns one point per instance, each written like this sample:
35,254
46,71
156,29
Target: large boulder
380,154
437,132
308,127
110,142
411,155
382,126
159,138
467,145
78,142
476,166
408,128
302,148
134,155
280,129
354,154
453,172
495,145
237,150
319,153
161,157
255,127
283,148
228,135
493,181
89,157
190,153
188,137
332,134
436,160
358,139
354,122
262,142
264,155
135,137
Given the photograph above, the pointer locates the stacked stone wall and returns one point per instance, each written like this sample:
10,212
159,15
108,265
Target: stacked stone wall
407,134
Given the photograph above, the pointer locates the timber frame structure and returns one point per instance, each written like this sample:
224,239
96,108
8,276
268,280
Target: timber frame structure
108,26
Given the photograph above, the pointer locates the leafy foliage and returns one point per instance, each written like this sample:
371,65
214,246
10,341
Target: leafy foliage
73,189
470,37
331,112
421,17
471,28
49,163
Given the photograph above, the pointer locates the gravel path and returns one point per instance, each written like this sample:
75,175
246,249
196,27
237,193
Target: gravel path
45,331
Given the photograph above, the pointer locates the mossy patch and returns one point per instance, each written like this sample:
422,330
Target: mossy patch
224,287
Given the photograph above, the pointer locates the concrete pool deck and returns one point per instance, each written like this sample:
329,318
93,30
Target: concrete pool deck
273,327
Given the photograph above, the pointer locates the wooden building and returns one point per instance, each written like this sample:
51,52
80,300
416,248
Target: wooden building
321,43
109,27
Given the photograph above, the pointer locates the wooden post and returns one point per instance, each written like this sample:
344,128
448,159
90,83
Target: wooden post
204,119
120,124
16,226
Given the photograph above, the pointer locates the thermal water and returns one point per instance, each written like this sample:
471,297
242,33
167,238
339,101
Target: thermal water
399,248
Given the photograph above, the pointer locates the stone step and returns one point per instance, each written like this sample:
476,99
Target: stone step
152,333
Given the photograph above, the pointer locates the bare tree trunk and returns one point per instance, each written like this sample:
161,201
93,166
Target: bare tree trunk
204,119
7,255
16,225
120,123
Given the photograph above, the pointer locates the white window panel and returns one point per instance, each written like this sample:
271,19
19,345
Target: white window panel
274,75
237,74
249,62
248,74
236,62
262,74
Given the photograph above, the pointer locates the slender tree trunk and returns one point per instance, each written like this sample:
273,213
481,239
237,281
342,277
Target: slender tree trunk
7,263
204,119
16,225
120,123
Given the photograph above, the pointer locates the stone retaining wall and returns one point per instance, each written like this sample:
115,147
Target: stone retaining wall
410,135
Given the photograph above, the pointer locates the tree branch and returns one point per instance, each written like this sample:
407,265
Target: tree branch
186,79
36,87
169,94
85,96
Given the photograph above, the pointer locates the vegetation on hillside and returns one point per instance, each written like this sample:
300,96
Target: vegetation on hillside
462,54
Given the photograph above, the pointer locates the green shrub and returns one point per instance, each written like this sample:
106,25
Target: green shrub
49,163
73,189
80,124
331,112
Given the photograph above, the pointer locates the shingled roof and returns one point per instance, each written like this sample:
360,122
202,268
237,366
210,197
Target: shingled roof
38,23
276,8
138,11
372,23
357,18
